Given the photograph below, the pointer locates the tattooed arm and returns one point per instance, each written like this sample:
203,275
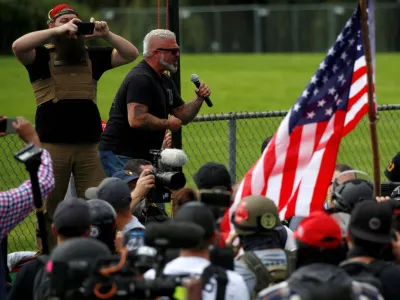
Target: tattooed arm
188,111
138,117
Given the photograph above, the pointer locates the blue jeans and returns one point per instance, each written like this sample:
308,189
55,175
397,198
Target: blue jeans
112,162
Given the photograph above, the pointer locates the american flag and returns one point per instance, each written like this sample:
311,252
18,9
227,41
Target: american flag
296,168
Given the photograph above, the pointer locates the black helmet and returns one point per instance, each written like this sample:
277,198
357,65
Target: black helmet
103,220
347,194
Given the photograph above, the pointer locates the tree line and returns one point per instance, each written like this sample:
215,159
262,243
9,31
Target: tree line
22,16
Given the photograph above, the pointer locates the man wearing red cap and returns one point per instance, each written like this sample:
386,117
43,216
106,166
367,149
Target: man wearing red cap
64,76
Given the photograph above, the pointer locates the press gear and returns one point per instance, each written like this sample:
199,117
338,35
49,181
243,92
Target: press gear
268,275
66,81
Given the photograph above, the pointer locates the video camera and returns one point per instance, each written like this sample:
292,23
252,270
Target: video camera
167,176
387,188
117,277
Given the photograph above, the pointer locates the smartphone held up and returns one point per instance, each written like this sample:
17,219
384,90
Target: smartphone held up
85,28
6,125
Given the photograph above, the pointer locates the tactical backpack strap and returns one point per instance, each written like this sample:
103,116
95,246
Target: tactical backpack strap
367,274
291,257
283,236
377,266
255,265
38,286
220,276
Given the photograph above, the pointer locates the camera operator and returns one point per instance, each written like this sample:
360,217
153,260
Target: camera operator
262,236
146,210
118,194
195,261
71,219
139,114
17,203
69,266
64,76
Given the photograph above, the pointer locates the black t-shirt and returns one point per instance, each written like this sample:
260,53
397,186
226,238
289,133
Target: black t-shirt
142,85
69,121
22,287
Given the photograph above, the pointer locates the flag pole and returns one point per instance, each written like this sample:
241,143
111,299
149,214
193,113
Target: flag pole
372,116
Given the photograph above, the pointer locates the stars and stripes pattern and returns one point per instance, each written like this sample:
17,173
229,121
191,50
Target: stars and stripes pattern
296,168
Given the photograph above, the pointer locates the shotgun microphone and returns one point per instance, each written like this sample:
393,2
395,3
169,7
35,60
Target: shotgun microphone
195,79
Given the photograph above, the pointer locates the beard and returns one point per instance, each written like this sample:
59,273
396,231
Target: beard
168,66
71,51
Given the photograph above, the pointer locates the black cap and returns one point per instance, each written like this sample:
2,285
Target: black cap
392,171
103,220
72,217
371,221
113,190
212,175
79,249
197,213
125,175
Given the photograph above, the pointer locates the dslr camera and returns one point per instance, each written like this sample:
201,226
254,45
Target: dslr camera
167,175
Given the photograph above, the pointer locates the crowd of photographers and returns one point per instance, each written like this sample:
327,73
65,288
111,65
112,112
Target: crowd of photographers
119,243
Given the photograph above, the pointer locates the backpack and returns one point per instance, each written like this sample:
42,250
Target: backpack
366,273
220,276
268,275
311,284
41,284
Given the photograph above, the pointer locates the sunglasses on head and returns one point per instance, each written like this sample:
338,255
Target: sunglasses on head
174,51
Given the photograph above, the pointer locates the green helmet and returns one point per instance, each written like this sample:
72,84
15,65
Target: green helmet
255,214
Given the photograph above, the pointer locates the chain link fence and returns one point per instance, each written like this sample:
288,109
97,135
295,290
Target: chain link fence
233,139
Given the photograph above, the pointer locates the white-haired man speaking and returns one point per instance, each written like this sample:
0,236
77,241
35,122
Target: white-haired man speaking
139,114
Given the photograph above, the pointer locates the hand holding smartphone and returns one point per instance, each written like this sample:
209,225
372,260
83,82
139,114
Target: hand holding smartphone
85,28
6,125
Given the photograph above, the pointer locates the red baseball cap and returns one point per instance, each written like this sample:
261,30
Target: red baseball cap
319,230
59,10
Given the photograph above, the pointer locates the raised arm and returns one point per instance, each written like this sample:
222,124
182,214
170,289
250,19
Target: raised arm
24,47
124,51
16,204
188,111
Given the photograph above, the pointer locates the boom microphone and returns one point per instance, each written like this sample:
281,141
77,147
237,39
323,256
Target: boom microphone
195,79
173,158
173,235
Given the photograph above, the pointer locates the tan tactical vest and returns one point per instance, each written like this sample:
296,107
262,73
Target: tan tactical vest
66,81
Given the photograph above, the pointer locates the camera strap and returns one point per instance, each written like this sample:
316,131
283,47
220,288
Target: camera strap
220,276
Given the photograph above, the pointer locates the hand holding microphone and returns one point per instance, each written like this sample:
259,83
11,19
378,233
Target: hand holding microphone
202,89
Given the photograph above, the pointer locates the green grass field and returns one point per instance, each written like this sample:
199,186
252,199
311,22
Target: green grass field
239,83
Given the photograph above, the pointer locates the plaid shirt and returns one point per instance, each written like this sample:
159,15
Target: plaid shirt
16,204
282,291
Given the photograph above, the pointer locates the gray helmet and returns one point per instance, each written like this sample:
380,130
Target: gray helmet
347,194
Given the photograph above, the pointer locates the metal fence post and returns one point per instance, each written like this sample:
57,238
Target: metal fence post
257,30
232,148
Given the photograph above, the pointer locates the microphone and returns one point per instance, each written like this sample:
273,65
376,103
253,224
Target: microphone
173,158
195,79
